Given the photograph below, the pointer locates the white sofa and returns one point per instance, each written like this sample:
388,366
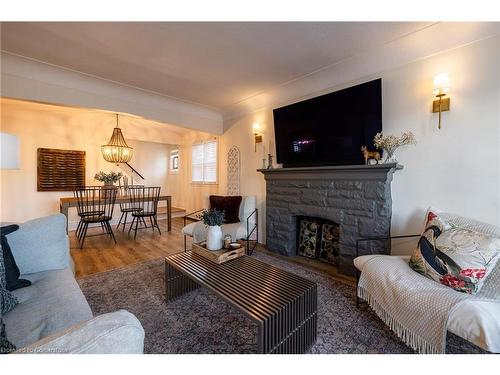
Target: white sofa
476,321
53,315
243,230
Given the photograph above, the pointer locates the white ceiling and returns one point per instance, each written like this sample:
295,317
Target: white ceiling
214,64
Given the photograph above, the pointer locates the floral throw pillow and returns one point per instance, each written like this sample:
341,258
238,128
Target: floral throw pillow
455,256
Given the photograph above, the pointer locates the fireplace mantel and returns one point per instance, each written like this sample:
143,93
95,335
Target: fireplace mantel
356,197
339,171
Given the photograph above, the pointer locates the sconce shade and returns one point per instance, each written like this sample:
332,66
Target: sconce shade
441,84
117,150
9,156
256,128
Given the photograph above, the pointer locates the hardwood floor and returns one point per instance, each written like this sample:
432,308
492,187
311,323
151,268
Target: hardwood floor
100,254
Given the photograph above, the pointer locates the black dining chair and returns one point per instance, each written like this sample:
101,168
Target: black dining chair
80,213
146,199
95,205
127,206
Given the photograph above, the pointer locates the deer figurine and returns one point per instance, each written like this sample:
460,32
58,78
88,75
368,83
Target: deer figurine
370,155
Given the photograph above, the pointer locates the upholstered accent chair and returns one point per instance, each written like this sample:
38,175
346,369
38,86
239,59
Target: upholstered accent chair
245,229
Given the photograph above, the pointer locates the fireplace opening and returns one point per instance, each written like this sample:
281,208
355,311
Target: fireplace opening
318,239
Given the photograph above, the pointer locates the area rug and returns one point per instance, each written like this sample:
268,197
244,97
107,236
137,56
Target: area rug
199,322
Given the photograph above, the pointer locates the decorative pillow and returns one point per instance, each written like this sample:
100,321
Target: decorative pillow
12,273
229,205
455,256
7,300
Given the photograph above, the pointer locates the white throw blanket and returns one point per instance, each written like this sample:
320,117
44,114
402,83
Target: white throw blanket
416,310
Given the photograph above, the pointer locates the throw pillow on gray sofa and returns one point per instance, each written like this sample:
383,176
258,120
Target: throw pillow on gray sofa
12,273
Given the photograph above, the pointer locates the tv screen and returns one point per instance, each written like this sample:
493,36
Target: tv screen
329,129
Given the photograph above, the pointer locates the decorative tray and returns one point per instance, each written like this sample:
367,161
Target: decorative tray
218,256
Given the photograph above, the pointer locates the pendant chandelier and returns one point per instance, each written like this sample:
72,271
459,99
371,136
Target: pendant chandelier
117,150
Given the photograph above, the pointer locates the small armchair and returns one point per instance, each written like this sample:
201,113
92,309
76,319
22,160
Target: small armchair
246,229
476,320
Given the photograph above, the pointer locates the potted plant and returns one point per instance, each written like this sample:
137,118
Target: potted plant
108,178
213,219
390,143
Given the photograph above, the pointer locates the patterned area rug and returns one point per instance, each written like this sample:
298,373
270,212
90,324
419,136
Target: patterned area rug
199,322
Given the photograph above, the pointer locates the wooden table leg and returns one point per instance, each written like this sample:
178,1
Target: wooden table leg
169,213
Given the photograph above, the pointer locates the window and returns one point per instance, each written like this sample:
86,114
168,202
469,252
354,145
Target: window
174,161
204,162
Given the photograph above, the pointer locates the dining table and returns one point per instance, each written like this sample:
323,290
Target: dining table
67,202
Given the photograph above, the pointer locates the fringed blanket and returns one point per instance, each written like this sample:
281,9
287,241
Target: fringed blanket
416,310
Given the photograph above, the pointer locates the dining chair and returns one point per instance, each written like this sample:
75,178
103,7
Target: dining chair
127,206
95,205
146,199
80,213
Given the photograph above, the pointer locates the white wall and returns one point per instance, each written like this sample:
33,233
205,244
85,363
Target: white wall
439,37
456,168
239,134
151,161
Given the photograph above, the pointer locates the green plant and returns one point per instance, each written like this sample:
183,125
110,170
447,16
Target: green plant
212,217
108,178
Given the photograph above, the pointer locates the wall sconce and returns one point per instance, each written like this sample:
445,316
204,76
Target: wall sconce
441,88
256,132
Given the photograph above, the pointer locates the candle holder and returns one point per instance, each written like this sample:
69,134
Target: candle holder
269,161
264,163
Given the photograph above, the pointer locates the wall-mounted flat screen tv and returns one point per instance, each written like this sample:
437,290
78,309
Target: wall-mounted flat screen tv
329,129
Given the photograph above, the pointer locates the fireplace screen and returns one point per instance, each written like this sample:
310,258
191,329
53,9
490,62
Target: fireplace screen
318,238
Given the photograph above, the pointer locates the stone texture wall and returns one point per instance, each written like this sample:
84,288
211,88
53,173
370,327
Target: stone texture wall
358,198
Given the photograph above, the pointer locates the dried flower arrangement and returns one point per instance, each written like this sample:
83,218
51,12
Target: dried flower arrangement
212,217
390,143
108,178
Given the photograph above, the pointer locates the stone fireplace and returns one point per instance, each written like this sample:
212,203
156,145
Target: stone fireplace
356,197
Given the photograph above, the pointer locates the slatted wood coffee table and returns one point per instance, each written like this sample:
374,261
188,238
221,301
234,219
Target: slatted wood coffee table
284,305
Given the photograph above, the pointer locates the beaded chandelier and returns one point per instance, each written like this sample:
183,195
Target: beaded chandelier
117,150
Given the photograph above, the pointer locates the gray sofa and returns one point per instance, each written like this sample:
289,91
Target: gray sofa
53,315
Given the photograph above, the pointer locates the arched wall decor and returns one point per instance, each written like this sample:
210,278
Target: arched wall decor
233,171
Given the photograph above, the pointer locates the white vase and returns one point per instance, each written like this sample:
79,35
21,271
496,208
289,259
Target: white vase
214,237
